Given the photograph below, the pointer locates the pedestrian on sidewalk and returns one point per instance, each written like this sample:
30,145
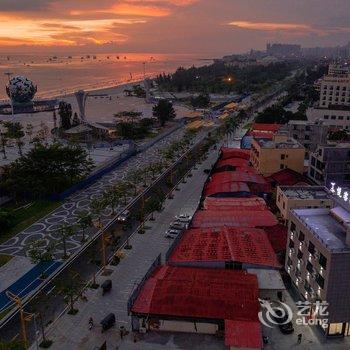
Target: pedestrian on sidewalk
299,338
91,323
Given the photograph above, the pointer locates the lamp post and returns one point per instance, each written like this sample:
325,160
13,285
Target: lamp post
9,74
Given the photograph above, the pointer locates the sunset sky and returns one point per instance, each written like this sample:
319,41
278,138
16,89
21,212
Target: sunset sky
169,26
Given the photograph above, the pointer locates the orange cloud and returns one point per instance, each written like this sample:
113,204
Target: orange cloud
270,26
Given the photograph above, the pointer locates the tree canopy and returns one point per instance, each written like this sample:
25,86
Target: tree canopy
45,170
164,111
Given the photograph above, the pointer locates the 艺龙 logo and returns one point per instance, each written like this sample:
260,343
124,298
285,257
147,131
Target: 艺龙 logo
276,313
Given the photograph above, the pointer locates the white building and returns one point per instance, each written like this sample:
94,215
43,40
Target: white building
334,105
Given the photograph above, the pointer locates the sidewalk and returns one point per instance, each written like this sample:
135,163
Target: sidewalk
71,332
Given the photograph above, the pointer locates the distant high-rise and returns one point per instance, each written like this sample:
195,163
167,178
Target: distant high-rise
283,50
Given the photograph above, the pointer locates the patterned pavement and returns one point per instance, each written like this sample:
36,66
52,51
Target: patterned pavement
46,228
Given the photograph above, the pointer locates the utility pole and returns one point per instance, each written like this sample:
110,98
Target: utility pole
18,301
9,74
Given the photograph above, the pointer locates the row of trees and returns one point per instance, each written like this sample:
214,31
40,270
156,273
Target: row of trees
220,77
45,170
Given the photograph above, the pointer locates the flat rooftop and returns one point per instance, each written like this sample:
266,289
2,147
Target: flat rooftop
305,192
289,143
324,227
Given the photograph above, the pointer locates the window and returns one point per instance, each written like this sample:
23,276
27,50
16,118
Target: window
320,280
323,261
281,166
301,236
307,128
291,244
307,137
309,267
292,227
333,117
311,248
300,254
313,161
340,117
283,156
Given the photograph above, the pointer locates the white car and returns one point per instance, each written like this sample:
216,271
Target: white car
183,218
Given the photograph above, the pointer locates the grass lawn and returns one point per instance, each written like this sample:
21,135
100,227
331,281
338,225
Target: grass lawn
4,259
26,216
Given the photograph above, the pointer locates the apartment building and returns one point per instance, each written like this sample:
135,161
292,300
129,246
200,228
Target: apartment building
293,197
318,262
334,104
331,163
282,152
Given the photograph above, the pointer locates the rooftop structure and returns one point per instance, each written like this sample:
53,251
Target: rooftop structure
323,225
318,260
216,247
270,156
233,218
250,203
243,335
227,153
288,177
195,300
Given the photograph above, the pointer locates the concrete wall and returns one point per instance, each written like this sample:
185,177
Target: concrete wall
183,326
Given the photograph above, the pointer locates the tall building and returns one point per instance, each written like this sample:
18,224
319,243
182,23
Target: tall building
282,152
334,104
283,50
331,163
318,261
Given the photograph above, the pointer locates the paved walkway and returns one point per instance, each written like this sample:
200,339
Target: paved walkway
46,228
71,332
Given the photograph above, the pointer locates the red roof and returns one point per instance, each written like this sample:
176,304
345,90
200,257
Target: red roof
227,153
228,187
199,293
243,334
245,245
250,203
288,177
237,176
278,237
235,162
268,128
233,218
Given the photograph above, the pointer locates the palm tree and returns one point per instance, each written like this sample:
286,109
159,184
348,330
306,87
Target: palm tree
39,253
84,222
65,231
112,197
97,206
72,288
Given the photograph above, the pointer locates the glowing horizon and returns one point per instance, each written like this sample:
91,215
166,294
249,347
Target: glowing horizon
169,25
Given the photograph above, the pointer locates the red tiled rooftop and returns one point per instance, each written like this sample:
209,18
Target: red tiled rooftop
243,334
250,203
213,188
233,218
234,162
227,153
272,128
288,177
237,176
277,236
199,293
245,245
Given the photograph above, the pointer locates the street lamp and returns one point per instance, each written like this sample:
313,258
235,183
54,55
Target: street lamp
9,74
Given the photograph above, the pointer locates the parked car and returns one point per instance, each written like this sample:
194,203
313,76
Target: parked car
178,225
169,236
285,328
173,231
183,218
108,322
124,216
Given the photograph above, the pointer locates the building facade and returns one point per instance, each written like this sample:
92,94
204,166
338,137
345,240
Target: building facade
282,152
331,163
318,262
334,104
293,197
309,134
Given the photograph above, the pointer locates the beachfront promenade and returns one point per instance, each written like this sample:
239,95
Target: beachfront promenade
71,332
67,213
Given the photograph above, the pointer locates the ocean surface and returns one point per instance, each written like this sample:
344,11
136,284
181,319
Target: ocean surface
62,75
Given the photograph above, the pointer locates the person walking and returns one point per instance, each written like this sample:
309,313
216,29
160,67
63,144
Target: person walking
91,323
299,338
